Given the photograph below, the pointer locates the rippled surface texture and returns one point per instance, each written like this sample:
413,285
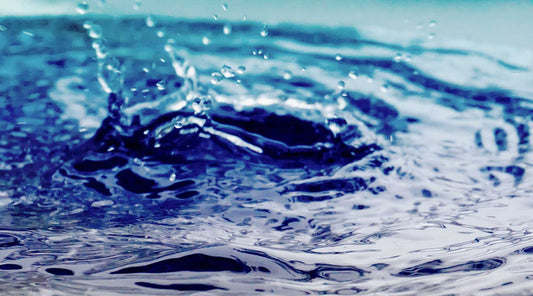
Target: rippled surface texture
146,157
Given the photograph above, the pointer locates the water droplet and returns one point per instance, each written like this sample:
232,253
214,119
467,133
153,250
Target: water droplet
137,5
101,2
215,17
336,124
432,23
264,31
172,177
227,29
224,6
241,69
227,71
205,40
287,75
95,32
160,33
266,56
338,57
304,69
431,36
398,57
102,203
353,73
244,18
161,85
216,78
2,28
87,25
146,70
200,105
341,85
150,21
157,145
384,88
83,7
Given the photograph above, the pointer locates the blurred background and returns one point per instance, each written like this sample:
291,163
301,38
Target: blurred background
503,23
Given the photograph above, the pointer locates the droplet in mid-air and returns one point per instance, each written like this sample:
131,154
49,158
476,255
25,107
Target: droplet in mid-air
150,21
161,85
202,104
82,7
353,73
137,5
264,31
338,57
227,71
227,29
224,6
216,78
215,17
432,23
431,36
86,25
241,69
287,75
341,85
205,40
95,32
160,33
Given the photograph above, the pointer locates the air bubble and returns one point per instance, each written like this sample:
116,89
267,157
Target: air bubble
216,78
225,7
287,75
227,29
227,71
150,21
205,40
241,69
83,7
264,31
338,57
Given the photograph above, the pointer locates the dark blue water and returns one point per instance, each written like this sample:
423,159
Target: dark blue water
182,157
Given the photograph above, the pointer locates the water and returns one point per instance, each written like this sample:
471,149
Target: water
282,161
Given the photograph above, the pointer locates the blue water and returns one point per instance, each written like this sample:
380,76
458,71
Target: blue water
161,156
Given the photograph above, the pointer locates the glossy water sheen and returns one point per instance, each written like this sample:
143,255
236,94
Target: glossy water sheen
302,161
